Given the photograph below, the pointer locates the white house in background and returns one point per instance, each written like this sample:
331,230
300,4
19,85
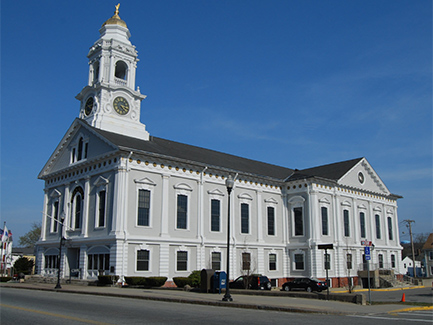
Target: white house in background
139,205
407,265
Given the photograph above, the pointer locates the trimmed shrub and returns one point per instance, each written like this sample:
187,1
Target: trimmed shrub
156,281
104,280
5,278
181,281
195,279
135,280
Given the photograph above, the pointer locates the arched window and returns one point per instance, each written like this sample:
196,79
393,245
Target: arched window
77,208
121,70
96,71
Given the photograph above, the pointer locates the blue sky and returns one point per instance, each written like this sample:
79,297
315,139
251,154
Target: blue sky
294,83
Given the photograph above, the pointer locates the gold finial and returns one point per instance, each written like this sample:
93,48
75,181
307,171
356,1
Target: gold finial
115,20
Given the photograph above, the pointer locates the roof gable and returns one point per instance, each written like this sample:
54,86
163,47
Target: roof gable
61,157
363,177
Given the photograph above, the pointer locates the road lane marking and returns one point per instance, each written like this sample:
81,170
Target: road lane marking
395,319
56,315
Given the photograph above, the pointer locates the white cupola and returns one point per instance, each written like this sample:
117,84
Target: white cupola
110,101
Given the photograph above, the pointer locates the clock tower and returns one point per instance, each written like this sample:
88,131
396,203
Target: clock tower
110,100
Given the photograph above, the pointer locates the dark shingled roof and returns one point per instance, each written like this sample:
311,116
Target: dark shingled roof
215,159
332,171
192,154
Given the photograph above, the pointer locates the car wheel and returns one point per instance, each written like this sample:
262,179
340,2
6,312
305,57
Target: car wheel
309,289
268,286
286,288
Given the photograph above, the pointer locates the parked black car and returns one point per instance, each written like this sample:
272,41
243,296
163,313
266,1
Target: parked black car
261,282
307,284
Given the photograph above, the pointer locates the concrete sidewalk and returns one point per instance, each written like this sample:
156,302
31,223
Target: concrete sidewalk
263,301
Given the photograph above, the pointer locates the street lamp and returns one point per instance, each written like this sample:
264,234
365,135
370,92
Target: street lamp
58,286
229,184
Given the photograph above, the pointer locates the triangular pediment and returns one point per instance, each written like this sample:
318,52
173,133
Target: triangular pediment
215,192
79,136
101,181
144,180
363,177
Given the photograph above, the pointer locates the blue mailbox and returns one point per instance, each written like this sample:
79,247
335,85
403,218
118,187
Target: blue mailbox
219,281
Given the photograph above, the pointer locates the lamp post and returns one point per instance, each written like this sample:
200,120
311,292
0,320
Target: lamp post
58,286
229,184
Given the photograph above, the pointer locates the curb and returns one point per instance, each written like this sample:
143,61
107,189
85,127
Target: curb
410,309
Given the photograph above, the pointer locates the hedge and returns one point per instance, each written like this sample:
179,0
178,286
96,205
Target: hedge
104,280
182,281
5,278
153,281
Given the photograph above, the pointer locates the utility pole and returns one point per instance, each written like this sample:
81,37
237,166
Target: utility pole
409,225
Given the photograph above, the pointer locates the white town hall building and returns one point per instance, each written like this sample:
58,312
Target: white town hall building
137,205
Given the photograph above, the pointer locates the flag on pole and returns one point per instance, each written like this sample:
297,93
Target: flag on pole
1,234
10,235
5,234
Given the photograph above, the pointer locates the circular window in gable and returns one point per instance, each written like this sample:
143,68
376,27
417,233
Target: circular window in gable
361,178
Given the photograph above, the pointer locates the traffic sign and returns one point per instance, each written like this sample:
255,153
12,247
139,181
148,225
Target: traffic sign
367,253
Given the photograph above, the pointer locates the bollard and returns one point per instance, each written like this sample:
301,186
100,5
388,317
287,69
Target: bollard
403,298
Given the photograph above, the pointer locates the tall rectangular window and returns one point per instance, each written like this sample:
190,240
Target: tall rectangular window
393,261
380,261
299,222
215,215
271,221
216,261
299,261
362,223
378,235
55,216
143,212
246,261
390,235
182,261
349,261
272,262
245,218
327,262
101,210
143,260
182,210
346,223
325,221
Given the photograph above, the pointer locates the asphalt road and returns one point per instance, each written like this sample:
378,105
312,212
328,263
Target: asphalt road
424,295
20,306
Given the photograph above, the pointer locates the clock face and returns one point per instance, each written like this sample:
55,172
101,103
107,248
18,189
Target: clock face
121,105
361,177
89,106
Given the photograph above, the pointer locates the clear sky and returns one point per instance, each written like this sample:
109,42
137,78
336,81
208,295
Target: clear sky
296,83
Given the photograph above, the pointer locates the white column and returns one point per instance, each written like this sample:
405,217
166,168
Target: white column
118,201
165,200
260,218
44,216
164,260
85,228
66,207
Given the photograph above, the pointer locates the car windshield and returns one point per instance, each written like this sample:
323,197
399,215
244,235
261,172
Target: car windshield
315,279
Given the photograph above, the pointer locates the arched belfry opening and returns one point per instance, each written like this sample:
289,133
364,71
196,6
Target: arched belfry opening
121,70
96,71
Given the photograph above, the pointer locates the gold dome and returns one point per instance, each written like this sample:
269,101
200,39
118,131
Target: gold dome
115,20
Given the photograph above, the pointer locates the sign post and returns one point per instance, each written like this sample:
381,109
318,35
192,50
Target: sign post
326,247
368,258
